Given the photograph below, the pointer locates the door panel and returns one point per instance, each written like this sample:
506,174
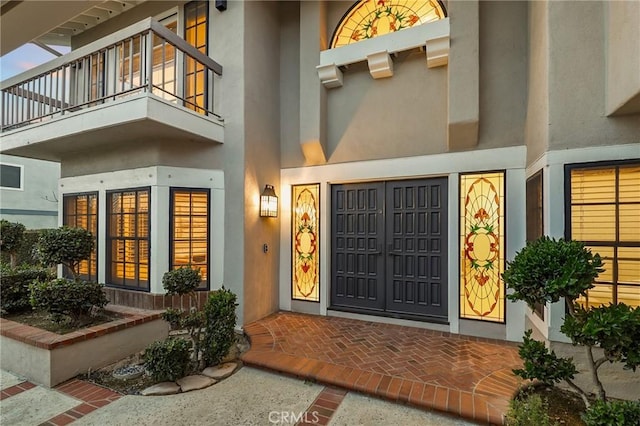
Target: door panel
416,248
389,247
357,242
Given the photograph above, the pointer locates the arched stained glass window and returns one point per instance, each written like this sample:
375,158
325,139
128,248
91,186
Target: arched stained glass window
372,18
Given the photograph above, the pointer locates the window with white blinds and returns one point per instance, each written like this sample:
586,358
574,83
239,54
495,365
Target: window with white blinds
189,231
603,205
81,211
128,238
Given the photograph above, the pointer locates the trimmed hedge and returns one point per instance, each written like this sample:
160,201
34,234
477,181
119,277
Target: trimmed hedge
14,286
168,360
220,320
26,253
67,298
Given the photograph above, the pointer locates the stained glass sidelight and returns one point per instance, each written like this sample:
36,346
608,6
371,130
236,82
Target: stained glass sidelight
482,246
305,256
371,18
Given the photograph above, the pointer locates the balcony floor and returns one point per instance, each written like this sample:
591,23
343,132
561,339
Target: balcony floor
138,118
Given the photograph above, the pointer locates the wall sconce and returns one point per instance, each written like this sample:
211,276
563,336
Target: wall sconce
268,202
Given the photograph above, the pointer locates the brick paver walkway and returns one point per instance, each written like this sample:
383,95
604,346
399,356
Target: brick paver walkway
460,375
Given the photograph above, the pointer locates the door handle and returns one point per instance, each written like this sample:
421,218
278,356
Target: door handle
390,251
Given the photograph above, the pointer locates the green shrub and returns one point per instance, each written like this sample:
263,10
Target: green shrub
14,286
67,298
542,364
184,281
615,328
613,413
528,411
168,360
548,269
68,246
220,321
11,239
26,253
181,281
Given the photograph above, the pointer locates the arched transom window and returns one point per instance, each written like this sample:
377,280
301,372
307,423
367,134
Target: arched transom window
371,18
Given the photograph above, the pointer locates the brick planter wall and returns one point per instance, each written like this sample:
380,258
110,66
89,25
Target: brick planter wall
48,358
151,301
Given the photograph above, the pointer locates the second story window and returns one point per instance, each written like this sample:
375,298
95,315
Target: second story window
196,32
372,18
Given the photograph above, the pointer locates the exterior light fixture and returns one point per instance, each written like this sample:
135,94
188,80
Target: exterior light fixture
268,202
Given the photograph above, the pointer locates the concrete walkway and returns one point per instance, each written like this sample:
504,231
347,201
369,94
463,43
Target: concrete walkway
249,397
459,375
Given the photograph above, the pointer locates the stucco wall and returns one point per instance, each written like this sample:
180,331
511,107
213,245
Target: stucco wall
577,80
503,73
36,204
262,156
406,115
226,46
291,154
623,56
536,127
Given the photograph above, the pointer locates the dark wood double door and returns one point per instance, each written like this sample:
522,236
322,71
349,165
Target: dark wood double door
389,248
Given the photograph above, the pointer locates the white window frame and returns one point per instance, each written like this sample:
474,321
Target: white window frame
21,167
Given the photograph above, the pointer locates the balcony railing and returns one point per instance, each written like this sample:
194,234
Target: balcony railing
143,58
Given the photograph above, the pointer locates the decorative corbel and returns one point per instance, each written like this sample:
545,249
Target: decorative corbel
330,75
437,51
380,64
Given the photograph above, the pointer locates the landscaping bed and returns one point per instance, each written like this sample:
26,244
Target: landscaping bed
39,319
49,358
134,386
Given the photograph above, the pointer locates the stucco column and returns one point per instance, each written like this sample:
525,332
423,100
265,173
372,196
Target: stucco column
622,38
313,103
464,75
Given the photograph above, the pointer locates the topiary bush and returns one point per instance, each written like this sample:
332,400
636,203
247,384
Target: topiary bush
168,360
528,411
181,281
613,413
184,281
548,270
66,246
220,322
11,239
63,298
14,286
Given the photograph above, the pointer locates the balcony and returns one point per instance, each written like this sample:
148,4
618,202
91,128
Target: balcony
140,83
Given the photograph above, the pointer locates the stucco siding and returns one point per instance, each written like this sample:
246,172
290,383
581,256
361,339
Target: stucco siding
577,80
35,205
503,73
262,156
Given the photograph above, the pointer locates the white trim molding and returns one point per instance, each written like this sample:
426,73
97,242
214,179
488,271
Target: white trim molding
450,165
159,179
433,37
